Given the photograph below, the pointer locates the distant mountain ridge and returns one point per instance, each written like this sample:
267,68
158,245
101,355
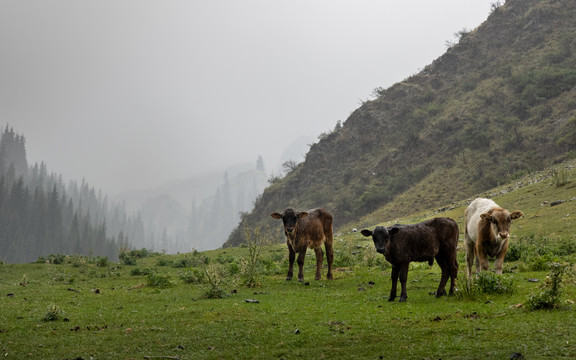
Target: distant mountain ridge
498,104
196,187
200,212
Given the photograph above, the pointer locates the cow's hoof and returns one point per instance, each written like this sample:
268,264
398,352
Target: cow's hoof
391,299
439,293
317,277
289,278
403,299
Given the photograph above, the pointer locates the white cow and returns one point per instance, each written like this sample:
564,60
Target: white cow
487,233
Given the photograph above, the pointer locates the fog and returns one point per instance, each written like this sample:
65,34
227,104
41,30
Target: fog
131,94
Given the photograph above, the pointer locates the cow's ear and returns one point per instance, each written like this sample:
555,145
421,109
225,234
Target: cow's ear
516,214
276,215
486,216
366,232
302,214
393,231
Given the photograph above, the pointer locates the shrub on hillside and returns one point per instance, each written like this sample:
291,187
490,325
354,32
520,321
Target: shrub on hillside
549,294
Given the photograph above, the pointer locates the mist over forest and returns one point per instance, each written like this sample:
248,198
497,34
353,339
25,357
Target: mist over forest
41,214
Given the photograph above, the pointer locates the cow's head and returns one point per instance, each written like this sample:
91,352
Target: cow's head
500,220
380,236
290,219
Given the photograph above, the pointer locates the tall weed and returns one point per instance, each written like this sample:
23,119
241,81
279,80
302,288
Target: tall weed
250,264
549,294
486,282
559,177
214,280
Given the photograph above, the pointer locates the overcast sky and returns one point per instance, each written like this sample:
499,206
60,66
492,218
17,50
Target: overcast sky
131,94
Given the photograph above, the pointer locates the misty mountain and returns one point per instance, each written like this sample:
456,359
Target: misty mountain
197,213
200,212
497,105
295,152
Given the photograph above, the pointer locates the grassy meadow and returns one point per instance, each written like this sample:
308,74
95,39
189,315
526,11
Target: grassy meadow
235,304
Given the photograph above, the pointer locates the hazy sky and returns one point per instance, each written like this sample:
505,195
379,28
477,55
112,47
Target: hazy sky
130,94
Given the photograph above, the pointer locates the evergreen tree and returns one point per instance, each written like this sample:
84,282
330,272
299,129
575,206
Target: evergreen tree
260,164
38,218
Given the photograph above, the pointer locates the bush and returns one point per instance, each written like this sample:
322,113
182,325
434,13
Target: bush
490,283
129,257
57,259
163,262
214,280
192,276
53,313
128,260
549,295
140,272
486,282
182,263
157,280
102,261
560,177
540,262
252,266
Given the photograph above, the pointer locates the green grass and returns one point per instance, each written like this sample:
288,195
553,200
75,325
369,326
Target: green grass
106,313
156,309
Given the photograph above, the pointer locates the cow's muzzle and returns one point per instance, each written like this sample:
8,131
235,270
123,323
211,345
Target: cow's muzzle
381,251
504,234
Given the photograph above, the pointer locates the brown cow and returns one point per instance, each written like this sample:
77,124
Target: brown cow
307,229
487,233
401,244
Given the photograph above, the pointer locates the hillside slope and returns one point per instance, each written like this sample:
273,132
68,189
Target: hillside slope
499,104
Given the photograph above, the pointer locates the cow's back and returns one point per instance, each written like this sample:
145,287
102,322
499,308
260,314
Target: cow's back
414,242
446,232
315,229
472,215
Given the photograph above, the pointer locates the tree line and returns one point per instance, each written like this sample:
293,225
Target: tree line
40,215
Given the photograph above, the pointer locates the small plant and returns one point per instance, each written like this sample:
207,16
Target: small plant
214,280
490,283
549,295
53,313
127,258
251,262
560,177
160,281
486,282
139,272
192,276
102,261
540,262
57,259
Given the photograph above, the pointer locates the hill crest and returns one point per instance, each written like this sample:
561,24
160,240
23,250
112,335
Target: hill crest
495,106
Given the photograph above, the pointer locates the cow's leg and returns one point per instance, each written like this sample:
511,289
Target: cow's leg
300,261
395,273
330,258
499,261
291,258
470,255
482,258
445,274
403,280
319,261
453,275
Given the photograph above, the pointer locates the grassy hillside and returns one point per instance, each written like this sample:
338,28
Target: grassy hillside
496,106
152,306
